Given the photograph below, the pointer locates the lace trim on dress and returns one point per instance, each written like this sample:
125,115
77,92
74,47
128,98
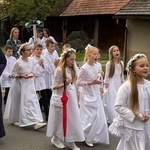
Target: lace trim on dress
117,128
114,128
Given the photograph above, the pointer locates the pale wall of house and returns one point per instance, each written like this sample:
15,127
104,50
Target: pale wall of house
138,38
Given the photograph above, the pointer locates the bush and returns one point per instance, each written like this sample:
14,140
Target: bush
78,40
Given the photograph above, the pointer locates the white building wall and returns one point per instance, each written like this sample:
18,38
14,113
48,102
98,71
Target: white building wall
138,37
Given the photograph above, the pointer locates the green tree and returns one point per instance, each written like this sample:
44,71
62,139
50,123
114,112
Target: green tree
24,10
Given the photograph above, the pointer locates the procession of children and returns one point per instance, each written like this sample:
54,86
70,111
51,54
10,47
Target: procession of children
95,104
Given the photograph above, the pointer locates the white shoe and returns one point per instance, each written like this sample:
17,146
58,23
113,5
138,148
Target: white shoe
89,144
57,143
39,125
15,124
73,146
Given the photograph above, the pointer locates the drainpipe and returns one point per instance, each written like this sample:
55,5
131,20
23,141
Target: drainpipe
125,46
64,29
96,31
125,41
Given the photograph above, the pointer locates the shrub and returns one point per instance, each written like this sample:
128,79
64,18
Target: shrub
78,40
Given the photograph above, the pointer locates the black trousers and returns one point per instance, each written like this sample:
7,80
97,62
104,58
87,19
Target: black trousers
2,130
6,95
44,102
49,94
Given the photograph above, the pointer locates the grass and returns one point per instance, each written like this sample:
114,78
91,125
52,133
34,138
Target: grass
80,56
2,48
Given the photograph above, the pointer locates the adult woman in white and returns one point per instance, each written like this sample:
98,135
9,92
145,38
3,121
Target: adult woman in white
47,35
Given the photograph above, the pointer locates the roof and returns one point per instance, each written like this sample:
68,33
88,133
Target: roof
93,7
135,7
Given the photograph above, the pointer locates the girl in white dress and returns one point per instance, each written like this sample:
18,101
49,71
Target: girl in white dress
114,77
64,48
22,107
91,107
65,72
133,106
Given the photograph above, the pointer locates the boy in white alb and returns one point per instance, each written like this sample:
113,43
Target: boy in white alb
51,60
39,79
32,41
5,78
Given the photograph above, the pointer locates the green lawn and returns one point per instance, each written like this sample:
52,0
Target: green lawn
2,48
80,56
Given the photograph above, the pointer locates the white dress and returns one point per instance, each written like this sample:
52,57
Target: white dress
22,103
55,126
113,85
135,135
91,106
5,79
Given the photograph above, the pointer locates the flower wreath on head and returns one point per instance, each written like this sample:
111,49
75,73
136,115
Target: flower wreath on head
67,50
130,62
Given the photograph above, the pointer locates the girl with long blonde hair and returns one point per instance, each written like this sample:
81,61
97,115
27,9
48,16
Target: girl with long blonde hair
91,107
14,41
133,107
65,75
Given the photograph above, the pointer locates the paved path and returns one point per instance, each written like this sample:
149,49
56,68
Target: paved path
28,139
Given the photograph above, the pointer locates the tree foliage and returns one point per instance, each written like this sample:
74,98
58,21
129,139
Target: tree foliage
24,10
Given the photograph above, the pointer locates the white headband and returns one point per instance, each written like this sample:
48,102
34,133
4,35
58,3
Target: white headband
68,50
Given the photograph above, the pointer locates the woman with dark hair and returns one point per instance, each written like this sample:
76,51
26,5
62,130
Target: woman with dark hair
46,35
2,67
